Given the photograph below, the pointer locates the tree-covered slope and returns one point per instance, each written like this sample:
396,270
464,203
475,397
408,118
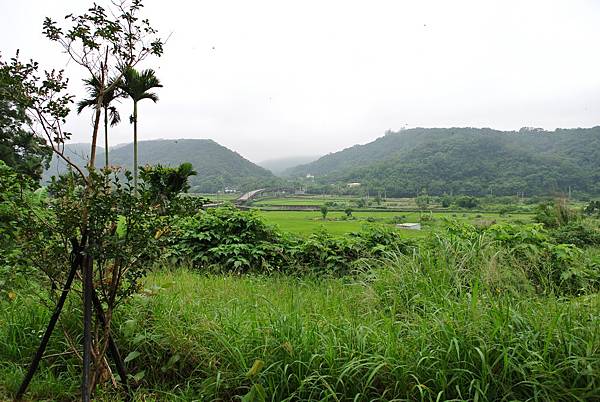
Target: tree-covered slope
218,167
468,161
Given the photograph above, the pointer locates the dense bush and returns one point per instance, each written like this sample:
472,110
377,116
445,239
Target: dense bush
580,233
20,208
549,265
555,213
467,202
225,239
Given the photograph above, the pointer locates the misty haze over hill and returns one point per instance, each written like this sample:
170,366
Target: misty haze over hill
279,165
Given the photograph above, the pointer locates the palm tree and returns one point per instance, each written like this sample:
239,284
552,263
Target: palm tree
137,85
93,87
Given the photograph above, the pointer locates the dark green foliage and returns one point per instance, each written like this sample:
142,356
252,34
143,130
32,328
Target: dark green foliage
235,241
446,201
555,213
20,149
593,208
324,254
224,239
361,203
468,161
581,233
467,202
163,184
324,211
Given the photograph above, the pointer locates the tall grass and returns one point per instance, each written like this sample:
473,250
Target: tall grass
451,322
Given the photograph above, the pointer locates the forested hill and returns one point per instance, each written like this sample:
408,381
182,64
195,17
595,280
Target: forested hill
468,161
217,166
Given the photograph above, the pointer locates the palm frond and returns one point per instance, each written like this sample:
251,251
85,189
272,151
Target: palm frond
93,88
85,103
137,85
149,95
115,117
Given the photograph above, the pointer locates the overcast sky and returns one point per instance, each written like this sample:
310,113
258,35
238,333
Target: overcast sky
281,78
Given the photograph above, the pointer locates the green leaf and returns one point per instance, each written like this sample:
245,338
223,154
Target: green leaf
132,356
121,226
256,394
139,375
256,367
138,338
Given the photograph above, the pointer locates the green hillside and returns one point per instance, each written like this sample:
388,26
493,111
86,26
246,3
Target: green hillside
217,166
468,161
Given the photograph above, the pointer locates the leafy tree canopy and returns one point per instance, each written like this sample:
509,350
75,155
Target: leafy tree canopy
20,149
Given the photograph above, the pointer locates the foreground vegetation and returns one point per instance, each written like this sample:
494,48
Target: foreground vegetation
444,324
506,312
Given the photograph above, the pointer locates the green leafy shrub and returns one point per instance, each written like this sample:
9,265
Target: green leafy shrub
467,202
555,213
225,237
579,233
550,265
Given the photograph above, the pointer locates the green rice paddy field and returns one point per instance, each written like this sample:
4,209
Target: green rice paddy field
308,222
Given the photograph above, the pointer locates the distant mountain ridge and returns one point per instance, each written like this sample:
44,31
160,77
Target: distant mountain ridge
468,161
279,165
218,167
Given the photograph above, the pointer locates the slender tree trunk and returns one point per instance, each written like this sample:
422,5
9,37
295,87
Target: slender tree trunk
135,150
95,134
105,137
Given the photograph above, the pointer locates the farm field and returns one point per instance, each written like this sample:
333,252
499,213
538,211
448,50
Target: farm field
307,222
